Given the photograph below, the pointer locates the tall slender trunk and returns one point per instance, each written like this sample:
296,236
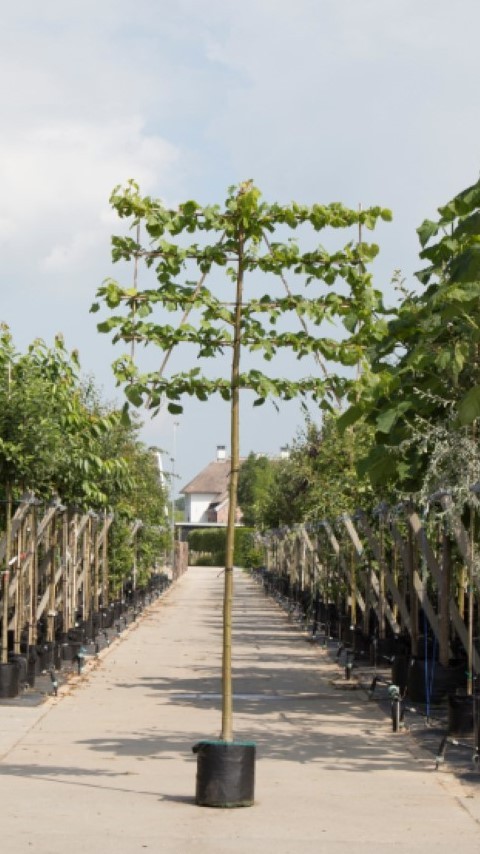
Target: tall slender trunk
444,609
413,599
52,585
6,575
32,629
381,583
96,567
20,590
471,596
227,698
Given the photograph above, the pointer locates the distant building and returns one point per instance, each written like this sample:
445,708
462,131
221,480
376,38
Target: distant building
206,496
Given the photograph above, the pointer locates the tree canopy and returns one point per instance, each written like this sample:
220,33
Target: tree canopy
335,287
424,385
58,438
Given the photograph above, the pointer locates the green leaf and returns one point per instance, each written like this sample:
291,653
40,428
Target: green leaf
134,395
349,417
386,420
175,408
465,267
108,325
468,226
469,406
427,230
379,465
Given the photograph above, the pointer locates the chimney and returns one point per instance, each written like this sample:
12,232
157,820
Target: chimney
221,454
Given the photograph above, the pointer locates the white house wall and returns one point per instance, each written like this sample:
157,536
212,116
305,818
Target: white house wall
196,506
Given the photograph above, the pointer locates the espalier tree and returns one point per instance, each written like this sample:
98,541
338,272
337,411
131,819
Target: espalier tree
189,247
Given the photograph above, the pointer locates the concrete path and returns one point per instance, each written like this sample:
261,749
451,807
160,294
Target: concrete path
108,766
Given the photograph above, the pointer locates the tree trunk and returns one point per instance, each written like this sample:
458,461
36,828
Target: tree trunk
52,585
444,646
227,699
413,599
6,575
32,629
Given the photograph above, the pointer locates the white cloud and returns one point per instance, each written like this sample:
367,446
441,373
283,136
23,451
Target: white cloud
71,254
56,180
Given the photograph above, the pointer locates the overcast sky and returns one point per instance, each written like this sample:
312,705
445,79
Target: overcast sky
359,101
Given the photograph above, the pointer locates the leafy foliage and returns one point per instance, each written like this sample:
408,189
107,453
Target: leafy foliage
425,358
211,545
58,438
319,479
255,483
352,304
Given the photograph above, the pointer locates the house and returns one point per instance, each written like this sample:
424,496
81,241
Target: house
206,496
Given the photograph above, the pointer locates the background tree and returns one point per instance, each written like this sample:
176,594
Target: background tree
57,437
255,482
424,383
319,479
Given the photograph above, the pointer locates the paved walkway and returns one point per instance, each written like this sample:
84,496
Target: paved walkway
108,766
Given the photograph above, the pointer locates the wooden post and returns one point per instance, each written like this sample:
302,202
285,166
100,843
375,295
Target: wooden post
52,584
66,577
6,576
96,574
107,521
455,616
353,588
20,589
413,569
444,596
86,569
32,628
373,583
381,579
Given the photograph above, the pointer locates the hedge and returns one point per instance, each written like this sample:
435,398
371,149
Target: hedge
210,545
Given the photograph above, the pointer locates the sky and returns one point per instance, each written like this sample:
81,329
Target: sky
359,101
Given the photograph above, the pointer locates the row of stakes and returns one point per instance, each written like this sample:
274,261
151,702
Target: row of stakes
301,610
42,674
132,611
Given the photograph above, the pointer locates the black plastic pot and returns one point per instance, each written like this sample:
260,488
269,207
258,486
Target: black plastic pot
360,643
225,773
9,674
107,618
75,647
66,651
460,714
77,634
353,636
57,656
31,666
21,662
46,654
441,680
381,649
400,672
89,628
